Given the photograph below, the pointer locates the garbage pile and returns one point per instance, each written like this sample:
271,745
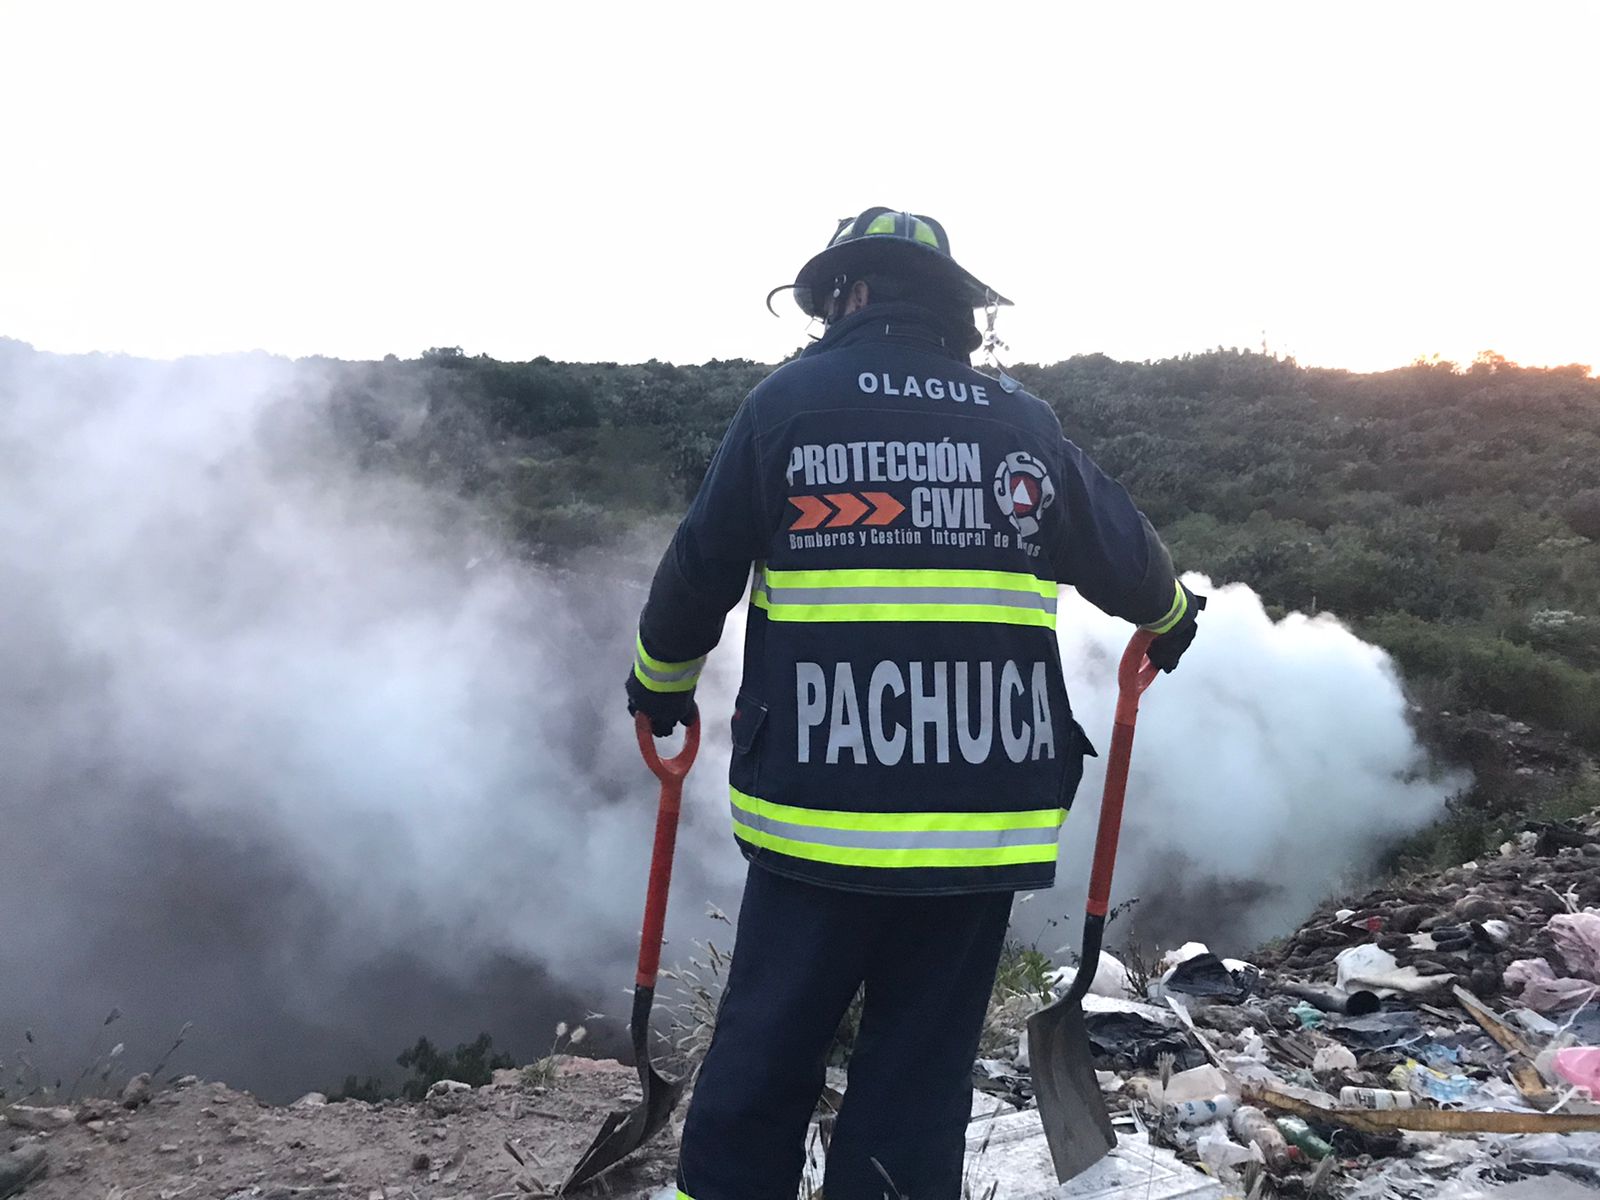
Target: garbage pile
1432,1040
1474,921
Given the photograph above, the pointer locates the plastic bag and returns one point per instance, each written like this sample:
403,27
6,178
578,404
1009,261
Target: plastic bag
1580,1065
1433,1085
1538,987
1374,968
1110,978
1332,1057
1577,935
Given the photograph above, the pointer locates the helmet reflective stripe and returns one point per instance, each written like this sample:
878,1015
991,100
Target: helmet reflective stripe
902,225
906,246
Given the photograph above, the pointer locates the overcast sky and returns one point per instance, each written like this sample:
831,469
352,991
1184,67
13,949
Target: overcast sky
1355,184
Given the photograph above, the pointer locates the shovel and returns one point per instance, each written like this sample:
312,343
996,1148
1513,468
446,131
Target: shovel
1076,1123
625,1131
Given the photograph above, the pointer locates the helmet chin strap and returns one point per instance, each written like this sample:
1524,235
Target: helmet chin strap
992,345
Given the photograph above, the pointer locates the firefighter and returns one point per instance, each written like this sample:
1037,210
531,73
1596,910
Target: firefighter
904,752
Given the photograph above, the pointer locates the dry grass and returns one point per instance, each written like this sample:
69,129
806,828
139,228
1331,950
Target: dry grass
697,992
104,1072
545,1071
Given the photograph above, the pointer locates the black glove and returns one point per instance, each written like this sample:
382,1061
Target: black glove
1168,647
666,710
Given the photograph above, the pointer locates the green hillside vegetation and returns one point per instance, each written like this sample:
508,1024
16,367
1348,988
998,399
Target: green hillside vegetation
1452,516
1449,514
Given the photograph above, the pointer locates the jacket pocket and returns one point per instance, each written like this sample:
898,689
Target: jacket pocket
749,715
1085,746
744,771
1079,747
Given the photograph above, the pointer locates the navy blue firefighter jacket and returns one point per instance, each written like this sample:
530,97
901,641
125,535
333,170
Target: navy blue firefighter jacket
904,523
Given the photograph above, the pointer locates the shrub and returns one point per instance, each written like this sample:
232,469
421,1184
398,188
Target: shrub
471,1062
1582,513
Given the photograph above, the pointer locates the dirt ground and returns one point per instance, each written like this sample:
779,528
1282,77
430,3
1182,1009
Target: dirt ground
206,1141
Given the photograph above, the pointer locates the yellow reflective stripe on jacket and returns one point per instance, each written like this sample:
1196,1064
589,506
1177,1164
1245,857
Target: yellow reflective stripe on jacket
661,676
931,594
1180,606
898,840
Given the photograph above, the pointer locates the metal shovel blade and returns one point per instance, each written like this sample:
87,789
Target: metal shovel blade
626,1130
1077,1126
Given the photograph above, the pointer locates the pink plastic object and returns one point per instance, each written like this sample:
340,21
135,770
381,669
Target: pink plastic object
1580,1065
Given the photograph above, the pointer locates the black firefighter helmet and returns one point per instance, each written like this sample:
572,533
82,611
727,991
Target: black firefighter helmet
903,246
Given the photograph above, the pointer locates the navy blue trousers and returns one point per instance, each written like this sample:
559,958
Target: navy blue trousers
928,963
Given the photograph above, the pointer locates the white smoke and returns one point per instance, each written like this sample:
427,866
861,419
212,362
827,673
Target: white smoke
290,746
1268,770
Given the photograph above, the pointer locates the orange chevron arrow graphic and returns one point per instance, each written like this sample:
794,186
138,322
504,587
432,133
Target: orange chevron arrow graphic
812,512
851,508
886,506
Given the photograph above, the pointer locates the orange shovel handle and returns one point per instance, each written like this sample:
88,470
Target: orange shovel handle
1134,675
671,773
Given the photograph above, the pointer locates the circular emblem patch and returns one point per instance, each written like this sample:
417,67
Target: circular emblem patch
1023,490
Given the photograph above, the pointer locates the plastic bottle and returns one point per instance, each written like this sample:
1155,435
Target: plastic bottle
1199,1112
1374,1098
1300,1135
1252,1125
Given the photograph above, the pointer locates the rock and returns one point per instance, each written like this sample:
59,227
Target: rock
333,1175
185,1081
21,1167
96,1108
1476,908
1326,937
137,1091
420,1161
310,1100
167,1148
1485,981
595,1066
447,1087
1406,918
38,1120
